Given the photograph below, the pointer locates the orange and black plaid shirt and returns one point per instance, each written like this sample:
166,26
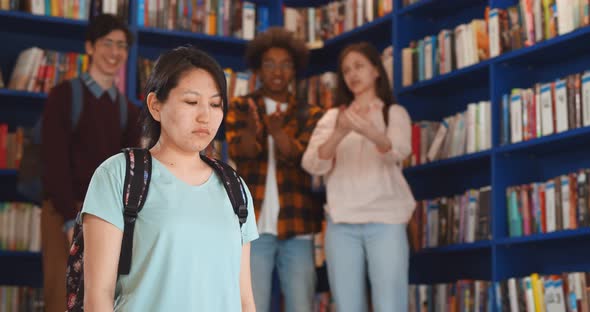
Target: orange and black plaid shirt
301,212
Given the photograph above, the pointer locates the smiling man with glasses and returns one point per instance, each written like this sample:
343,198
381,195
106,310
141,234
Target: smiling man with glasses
75,144
267,132
110,43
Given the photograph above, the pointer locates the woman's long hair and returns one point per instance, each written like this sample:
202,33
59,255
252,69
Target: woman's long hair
165,75
343,94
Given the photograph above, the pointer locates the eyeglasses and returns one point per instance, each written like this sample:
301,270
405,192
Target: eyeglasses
270,66
108,43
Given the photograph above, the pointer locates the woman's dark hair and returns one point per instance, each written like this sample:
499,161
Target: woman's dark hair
344,96
167,71
103,24
277,37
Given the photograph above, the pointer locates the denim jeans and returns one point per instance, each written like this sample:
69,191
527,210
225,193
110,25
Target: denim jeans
380,249
294,261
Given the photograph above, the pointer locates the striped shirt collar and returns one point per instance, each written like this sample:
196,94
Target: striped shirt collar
96,89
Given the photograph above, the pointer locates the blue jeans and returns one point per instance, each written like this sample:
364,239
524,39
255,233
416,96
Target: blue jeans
295,265
351,249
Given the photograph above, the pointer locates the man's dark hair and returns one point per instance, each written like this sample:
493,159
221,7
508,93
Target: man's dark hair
166,73
103,24
277,37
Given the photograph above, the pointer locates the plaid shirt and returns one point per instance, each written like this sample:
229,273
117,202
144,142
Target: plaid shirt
301,212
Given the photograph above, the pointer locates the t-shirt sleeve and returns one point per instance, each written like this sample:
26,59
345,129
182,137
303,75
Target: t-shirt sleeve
104,198
249,229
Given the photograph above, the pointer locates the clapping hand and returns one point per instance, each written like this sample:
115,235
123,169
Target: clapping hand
274,121
343,122
360,123
253,121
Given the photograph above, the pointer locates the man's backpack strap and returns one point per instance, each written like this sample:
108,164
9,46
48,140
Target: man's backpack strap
233,186
122,109
138,172
77,104
76,84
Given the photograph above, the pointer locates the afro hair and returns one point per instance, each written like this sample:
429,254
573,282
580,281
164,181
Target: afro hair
277,37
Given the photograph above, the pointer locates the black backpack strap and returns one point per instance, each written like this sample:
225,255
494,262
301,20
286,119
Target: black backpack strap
77,101
138,173
233,186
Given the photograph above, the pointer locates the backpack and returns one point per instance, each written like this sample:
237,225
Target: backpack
29,182
135,190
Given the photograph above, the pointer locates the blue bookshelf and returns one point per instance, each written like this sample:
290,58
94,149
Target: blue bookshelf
156,40
454,248
550,50
473,75
436,8
19,266
22,94
7,172
155,34
503,165
452,263
20,254
554,236
326,58
450,163
450,176
305,3
559,141
26,22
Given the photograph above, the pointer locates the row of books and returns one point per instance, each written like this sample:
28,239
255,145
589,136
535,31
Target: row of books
500,31
234,18
11,147
463,218
566,292
546,108
21,299
560,203
451,49
315,25
319,90
463,133
20,227
72,9
462,296
38,70
533,21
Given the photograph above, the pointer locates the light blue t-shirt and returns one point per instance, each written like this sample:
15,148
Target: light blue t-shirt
186,245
